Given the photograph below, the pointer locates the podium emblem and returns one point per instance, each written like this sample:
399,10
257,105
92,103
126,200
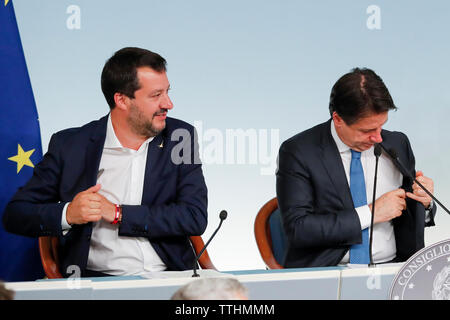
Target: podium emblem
425,276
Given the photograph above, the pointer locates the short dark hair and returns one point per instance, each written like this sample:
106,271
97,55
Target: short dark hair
120,71
359,93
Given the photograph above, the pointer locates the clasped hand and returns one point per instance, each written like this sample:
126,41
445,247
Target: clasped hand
418,193
90,206
391,204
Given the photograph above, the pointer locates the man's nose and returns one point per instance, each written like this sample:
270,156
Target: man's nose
376,138
167,103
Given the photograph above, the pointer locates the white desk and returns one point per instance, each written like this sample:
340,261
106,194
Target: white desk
332,283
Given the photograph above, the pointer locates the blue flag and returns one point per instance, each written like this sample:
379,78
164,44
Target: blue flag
20,146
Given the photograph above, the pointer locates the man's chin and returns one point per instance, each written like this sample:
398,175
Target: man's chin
158,129
150,131
364,147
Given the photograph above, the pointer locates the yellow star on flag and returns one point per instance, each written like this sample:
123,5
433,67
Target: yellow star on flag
22,158
6,2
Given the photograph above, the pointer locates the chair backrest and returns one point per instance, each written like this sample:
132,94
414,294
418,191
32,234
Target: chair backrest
48,249
270,236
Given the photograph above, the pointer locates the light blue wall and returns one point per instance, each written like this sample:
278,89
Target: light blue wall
257,65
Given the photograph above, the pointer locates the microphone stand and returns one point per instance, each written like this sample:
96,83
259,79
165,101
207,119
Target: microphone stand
223,215
377,152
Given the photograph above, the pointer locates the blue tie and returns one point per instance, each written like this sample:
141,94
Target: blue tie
359,253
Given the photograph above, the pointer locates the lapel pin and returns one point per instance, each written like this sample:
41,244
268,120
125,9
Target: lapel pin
161,145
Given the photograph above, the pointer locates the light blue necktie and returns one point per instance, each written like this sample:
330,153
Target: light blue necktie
359,253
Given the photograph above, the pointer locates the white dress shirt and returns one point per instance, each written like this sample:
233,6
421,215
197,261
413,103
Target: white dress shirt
122,182
389,179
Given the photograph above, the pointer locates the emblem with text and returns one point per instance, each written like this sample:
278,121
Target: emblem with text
425,276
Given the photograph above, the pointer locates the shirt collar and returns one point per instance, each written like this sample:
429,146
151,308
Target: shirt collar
111,140
342,147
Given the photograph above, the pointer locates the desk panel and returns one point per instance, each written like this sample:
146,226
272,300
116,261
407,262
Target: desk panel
367,283
286,284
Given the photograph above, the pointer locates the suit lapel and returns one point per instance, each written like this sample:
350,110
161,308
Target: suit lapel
333,165
94,151
388,144
156,148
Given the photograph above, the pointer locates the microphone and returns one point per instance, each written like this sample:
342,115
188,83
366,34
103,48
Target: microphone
222,215
377,153
393,155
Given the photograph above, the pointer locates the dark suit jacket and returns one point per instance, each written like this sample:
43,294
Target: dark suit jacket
316,205
174,200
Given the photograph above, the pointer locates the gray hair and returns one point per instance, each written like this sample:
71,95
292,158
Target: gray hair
212,289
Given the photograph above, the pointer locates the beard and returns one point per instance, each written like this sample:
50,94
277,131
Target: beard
141,125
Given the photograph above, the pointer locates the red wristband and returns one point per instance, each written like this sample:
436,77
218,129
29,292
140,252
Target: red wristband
117,215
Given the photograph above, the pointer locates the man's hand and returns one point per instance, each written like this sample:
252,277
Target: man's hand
85,207
90,206
418,193
108,209
389,206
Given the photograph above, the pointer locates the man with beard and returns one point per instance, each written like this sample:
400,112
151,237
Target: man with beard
114,191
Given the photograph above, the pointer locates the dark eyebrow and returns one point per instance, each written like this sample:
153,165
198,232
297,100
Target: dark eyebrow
159,90
368,130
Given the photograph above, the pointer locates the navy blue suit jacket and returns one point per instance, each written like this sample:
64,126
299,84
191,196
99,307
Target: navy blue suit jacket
174,200
316,205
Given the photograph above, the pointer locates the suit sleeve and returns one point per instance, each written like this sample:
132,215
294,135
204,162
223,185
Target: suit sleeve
308,224
185,216
35,209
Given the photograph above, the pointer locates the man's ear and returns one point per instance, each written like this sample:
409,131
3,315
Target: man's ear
338,121
122,101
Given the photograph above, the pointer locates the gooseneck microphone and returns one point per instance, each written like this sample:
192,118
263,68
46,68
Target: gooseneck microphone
377,153
222,215
393,155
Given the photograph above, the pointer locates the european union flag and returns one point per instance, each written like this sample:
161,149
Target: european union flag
20,146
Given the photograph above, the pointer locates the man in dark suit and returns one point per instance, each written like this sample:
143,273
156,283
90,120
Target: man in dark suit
121,193
325,182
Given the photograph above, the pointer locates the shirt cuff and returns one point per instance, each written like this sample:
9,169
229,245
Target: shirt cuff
365,216
428,211
65,226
